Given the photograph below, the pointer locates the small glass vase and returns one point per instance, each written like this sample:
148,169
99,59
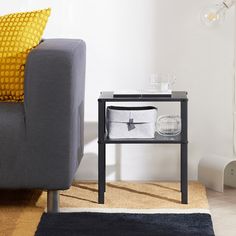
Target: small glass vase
169,125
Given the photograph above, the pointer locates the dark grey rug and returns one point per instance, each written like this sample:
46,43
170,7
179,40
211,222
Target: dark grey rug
122,224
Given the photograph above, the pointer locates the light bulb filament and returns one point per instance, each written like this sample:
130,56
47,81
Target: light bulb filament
211,16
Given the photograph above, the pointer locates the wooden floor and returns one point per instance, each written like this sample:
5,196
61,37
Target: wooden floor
223,209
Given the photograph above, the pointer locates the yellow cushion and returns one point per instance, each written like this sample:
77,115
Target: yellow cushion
19,33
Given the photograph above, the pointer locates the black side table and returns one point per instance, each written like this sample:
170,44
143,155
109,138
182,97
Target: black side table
181,139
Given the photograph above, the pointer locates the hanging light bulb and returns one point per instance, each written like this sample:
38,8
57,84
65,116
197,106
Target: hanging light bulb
213,15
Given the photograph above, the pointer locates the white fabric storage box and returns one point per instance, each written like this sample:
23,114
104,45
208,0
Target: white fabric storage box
131,122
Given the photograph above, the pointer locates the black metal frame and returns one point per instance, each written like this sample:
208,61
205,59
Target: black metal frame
181,139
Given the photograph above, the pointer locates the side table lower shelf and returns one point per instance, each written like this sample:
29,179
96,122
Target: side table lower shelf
158,139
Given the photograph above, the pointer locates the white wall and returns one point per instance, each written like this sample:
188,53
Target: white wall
127,40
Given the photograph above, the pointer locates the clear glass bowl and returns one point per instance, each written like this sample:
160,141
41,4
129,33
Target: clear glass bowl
169,125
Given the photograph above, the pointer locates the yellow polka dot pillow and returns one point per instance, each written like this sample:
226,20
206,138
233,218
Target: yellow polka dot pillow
19,33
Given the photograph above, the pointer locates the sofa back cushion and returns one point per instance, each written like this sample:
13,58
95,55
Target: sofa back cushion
19,33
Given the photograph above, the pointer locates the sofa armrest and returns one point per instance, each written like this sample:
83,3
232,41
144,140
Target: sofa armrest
54,110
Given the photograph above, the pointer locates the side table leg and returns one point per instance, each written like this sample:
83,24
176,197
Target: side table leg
101,173
101,151
184,173
104,168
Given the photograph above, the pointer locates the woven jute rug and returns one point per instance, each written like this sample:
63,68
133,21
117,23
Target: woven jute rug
20,210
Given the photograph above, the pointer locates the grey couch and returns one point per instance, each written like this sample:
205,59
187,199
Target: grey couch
41,140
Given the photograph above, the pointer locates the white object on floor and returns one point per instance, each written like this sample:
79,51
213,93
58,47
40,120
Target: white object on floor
215,171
